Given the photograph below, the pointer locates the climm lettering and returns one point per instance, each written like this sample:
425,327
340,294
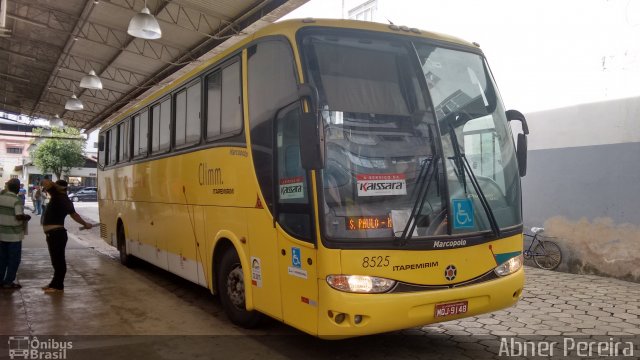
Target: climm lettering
209,176
416,266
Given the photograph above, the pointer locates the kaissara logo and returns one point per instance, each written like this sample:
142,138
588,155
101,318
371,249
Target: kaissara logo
381,184
292,188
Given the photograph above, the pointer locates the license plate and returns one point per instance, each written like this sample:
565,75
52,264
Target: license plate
450,309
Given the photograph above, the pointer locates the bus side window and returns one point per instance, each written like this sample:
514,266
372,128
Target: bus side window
113,146
102,151
140,133
294,213
271,84
124,143
187,126
161,118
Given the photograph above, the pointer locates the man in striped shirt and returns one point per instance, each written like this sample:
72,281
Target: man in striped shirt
12,218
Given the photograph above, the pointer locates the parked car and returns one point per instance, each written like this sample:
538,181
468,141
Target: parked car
86,194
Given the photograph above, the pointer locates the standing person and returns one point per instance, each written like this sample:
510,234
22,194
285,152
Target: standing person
22,193
53,225
45,201
12,219
37,200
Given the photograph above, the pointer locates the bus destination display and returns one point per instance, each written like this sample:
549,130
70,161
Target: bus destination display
369,222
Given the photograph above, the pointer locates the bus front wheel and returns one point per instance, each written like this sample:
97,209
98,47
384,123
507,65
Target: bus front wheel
231,287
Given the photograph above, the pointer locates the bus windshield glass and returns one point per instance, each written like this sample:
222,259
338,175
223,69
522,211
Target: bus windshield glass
414,132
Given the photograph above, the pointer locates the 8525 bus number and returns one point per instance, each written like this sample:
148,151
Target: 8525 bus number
375,261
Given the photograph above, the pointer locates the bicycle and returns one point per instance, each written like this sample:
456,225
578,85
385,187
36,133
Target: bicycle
546,254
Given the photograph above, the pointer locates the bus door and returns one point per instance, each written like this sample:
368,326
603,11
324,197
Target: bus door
297,258
265,275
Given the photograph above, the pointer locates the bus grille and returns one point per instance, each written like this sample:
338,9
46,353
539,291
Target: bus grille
103,231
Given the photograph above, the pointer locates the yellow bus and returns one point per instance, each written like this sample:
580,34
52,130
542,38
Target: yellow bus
343,177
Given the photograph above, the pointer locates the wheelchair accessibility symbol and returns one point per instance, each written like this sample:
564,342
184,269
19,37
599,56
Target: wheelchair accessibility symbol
463,214
295,257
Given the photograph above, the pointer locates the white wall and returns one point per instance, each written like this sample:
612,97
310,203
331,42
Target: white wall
598,123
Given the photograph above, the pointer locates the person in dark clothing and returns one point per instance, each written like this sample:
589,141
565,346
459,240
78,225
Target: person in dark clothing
53,225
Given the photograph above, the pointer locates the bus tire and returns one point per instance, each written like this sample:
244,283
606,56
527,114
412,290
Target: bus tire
230,281
125,259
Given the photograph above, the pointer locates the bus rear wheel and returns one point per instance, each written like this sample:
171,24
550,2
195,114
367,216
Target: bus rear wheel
125,259
231,287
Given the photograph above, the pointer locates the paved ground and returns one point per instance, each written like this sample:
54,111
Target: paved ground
105,303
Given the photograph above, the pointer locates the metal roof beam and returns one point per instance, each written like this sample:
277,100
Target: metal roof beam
48,109
42,16
110,72
120,40
67,84
14,77
9,108
58,98
97,33
147,84
39,49
70,40
29,50
8,95
179,15
244,20
79,118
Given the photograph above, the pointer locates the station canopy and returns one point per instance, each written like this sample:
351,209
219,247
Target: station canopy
48,46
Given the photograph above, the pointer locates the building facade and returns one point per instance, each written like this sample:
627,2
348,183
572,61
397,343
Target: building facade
15,139
16,142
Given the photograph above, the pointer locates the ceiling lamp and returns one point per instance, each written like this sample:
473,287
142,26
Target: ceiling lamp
91,81
57,122
74,104
144,25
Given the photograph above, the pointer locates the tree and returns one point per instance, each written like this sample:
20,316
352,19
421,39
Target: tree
61,152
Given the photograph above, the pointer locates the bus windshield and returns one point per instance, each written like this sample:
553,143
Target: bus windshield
410,128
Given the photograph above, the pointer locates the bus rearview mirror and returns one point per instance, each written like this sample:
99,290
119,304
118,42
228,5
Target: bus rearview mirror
521,150
517,115
309,93
311,142
521,154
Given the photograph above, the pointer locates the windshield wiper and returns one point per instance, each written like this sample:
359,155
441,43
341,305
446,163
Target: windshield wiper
423,183
424,180
463,166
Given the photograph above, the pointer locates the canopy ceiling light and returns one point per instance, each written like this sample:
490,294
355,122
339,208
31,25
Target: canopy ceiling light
91,81
56,121
74,104
144,25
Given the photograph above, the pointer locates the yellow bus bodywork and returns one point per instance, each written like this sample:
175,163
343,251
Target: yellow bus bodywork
177,210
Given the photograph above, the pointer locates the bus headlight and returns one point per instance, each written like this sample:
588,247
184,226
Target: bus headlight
510,266
360,283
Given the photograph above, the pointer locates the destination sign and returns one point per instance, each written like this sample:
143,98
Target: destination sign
369,222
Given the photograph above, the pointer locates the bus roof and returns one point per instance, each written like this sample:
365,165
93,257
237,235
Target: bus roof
290,27
357,24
